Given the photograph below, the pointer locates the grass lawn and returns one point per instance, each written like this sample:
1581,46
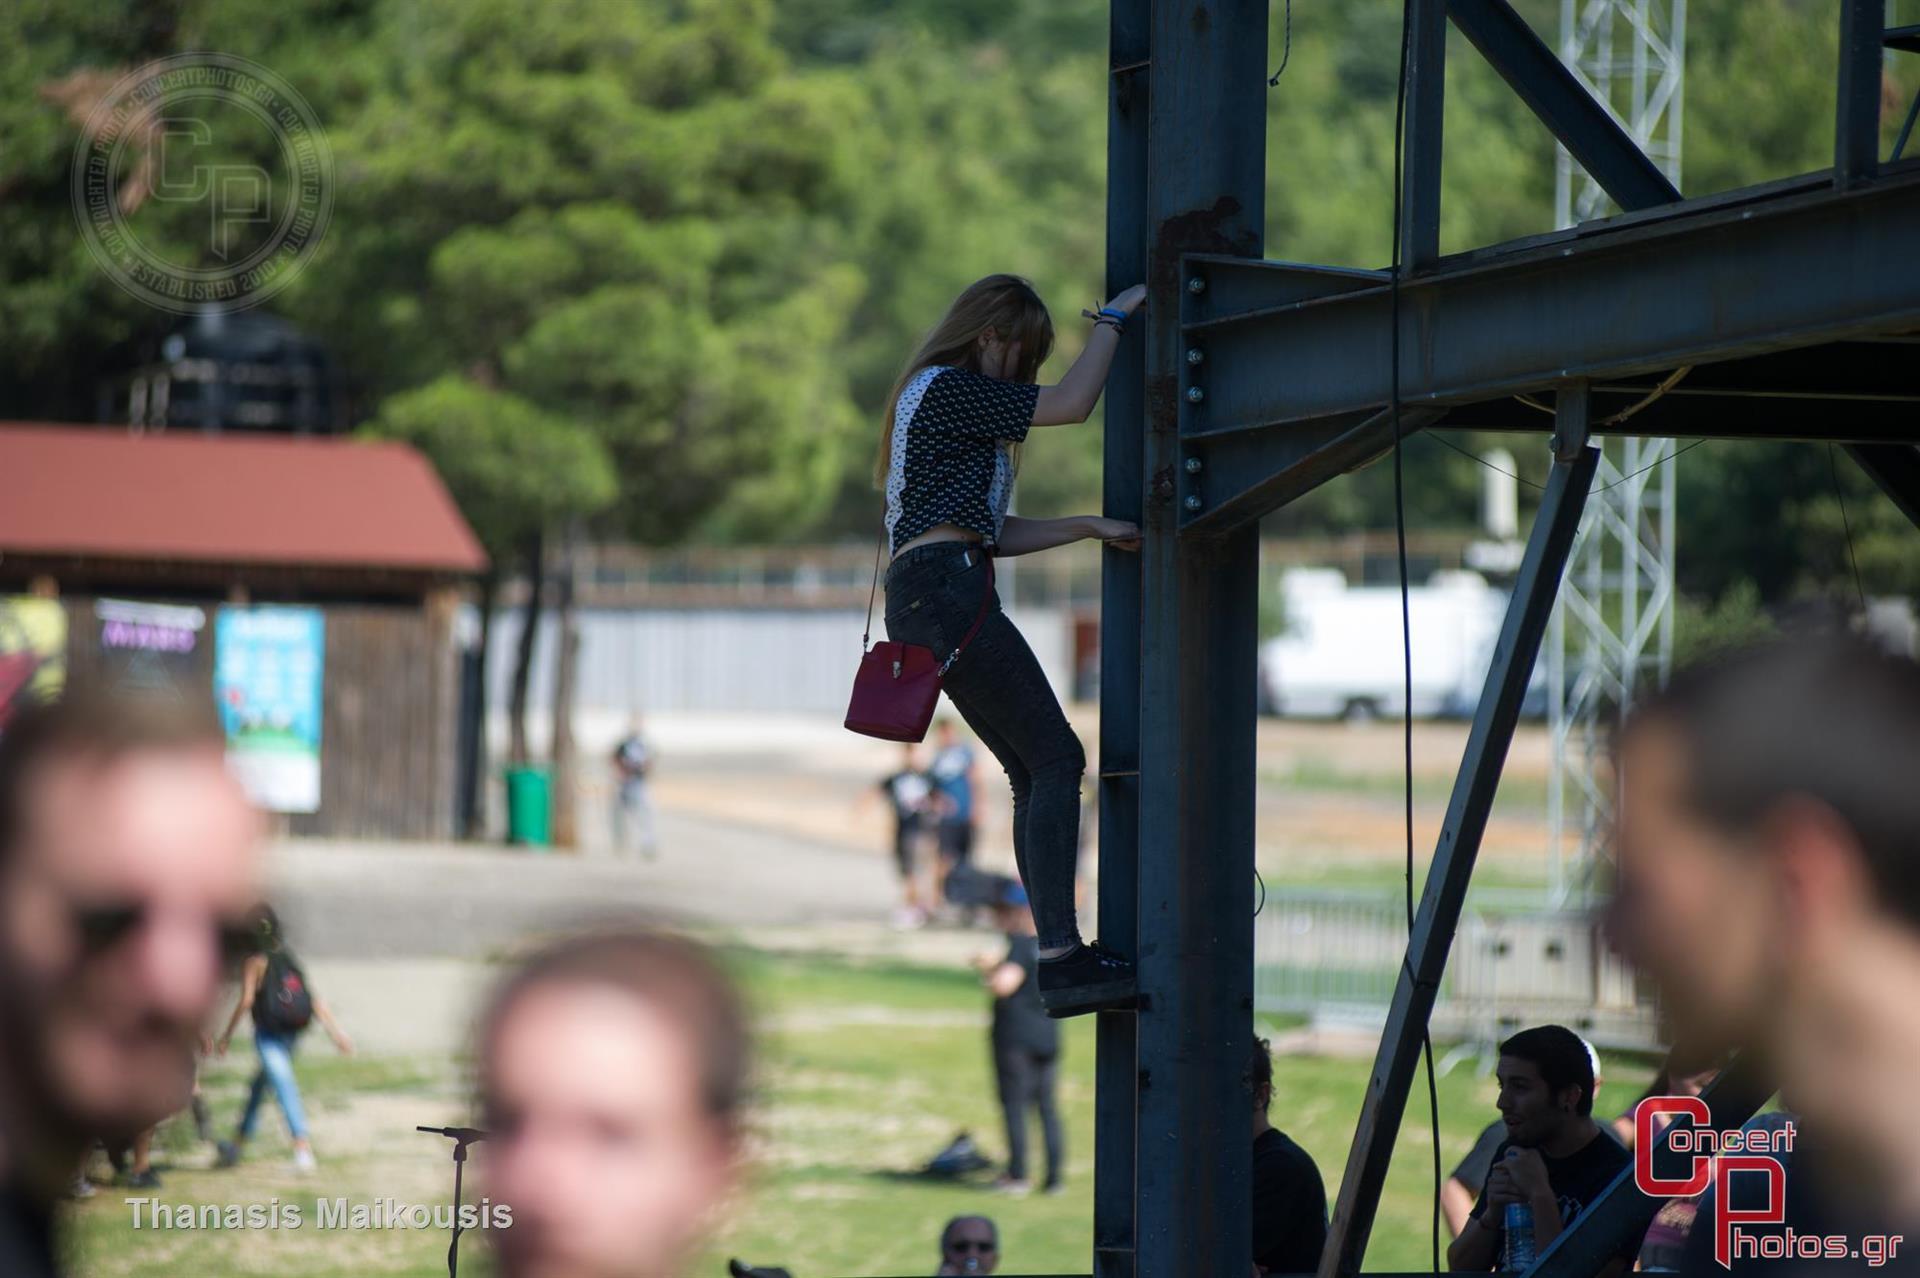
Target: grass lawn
865,1071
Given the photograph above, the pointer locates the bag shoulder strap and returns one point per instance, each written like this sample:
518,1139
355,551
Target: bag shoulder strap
979,618
879,544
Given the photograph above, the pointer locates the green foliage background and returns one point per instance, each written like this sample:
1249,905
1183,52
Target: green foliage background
658,261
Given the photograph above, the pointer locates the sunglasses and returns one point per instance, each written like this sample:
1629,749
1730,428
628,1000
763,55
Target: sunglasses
102,925
971,1244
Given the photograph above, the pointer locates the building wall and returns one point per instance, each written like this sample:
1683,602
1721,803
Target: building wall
777,661
389,710
390,704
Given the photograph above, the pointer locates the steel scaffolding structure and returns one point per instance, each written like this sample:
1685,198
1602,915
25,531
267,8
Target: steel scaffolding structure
1251,382
1612,630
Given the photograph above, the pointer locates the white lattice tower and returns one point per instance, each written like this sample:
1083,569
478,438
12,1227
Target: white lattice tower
1612,631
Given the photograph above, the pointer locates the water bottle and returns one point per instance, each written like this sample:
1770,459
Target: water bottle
1517,1253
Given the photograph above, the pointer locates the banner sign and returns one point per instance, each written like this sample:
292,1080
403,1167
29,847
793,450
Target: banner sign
33,652
148,645
266,678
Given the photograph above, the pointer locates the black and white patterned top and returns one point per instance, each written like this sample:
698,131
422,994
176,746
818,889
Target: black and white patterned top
950,464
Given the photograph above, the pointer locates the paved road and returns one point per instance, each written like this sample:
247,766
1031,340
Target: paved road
396,935
373,900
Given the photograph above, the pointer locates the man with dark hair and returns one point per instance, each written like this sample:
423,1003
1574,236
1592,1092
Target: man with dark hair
1768,848
1555,1158
1457,1193
128,857
1289,1198
613,1074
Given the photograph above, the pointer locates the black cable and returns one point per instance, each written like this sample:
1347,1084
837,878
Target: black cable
1263,894
1672,456
1406,612
1443,441
1522,479
1847,525
1286,51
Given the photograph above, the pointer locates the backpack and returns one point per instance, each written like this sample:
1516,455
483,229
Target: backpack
284,1004
960,1158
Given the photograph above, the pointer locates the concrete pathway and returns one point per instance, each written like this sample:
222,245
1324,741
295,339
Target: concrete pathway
401,937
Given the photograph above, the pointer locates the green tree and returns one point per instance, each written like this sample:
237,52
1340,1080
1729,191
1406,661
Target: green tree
517,473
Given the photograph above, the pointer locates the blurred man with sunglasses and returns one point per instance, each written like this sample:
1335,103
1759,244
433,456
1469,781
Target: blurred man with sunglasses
969,1245
128,857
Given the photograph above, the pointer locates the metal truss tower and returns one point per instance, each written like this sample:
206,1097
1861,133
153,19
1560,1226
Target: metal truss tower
1612,632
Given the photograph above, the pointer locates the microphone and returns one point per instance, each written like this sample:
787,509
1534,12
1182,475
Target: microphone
465,1135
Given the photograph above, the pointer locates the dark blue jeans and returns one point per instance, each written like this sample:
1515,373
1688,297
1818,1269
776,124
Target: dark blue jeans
997,685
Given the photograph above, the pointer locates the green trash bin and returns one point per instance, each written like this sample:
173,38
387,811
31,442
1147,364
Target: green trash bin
529,807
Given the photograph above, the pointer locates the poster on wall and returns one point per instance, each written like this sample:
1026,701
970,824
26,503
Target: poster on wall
149,645
266,677
33,652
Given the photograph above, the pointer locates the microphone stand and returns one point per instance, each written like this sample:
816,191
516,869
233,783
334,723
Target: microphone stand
461,1137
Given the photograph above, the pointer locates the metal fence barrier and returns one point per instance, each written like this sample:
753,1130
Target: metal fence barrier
1334,956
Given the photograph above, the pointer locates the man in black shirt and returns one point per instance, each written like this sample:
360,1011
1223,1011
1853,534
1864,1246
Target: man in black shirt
908,792
1026,1041
1289,1198
127,861
1469,1176
1555,1158
1463,1186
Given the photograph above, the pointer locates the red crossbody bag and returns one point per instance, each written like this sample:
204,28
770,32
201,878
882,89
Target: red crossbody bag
897,685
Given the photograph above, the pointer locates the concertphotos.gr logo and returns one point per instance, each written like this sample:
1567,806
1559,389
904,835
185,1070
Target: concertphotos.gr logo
1714,1158
200,181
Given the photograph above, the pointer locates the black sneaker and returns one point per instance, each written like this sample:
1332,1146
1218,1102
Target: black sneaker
1092,978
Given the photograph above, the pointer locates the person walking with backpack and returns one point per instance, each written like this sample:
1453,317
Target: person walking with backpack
274,986
633,823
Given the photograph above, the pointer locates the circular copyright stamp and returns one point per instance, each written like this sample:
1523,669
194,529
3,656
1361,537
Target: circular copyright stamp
202,180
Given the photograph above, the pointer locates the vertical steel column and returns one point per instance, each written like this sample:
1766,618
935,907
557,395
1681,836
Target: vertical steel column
1419,228
1119,754
1206,145
1856,140
1452,867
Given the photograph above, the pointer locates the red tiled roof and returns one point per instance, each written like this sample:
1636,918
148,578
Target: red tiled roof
100,491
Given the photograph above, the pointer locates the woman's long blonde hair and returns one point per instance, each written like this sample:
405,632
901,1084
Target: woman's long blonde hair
1009,306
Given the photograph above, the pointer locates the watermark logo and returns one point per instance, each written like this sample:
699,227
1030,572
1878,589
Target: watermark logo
1715,1159
202,180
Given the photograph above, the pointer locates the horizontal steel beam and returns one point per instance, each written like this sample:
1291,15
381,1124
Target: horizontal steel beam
1730,282
1242,477
1548,86
1705,415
